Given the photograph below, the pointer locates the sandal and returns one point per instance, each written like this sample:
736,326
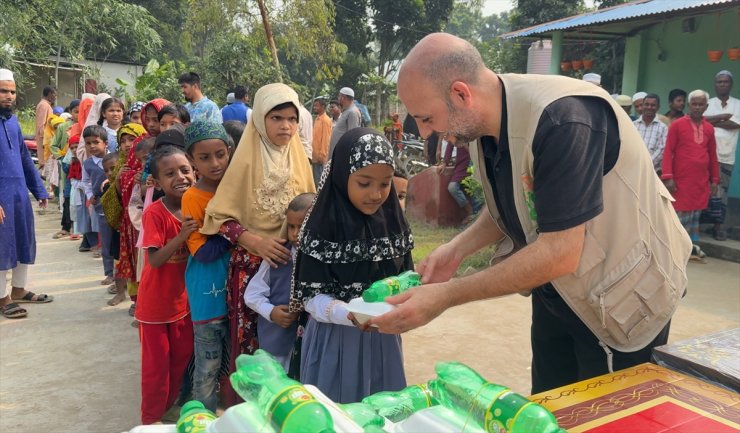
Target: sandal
132,309
74,237
13,311
719,235
96,254
113,289
60,234
108,280
32,298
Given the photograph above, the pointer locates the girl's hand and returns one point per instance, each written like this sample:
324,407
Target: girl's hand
271,250
2,215
137,177
149,182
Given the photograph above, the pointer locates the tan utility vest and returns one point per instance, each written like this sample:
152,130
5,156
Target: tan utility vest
632,270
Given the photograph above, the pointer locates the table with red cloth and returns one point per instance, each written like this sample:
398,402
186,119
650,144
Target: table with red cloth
645,398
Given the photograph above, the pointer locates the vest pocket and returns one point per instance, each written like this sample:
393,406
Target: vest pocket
629,296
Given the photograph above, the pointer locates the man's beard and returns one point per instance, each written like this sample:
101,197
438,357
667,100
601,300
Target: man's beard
6,112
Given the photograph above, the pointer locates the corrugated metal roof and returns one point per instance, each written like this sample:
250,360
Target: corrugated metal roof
635,9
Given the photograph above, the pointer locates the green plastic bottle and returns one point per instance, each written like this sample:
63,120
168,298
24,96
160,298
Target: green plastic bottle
399,405
391,286
283,401
363,414
493,407
194,418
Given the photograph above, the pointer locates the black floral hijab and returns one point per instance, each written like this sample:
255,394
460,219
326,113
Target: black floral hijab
341,250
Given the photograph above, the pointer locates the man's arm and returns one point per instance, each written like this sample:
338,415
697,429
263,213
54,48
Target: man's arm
552,255
442,263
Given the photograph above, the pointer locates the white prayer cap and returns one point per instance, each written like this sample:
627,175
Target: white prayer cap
639,95
592,78
230,98
6,75
347,92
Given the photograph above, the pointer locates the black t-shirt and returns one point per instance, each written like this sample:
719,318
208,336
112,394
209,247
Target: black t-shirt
575,145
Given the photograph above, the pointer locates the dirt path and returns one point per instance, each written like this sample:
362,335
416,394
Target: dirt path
73,364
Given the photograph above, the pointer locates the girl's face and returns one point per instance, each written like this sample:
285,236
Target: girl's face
281,125
127,141
152,123
75,112
211,158
167,121
368,188
401,185
175,175
136,117
113,115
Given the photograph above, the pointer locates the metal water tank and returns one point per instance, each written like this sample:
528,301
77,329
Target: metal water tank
538,57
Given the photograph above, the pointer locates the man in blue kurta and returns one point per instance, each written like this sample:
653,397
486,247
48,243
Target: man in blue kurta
17,176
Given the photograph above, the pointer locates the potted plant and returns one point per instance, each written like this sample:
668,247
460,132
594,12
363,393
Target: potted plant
714,55
577,64
733,53
588,64
565,66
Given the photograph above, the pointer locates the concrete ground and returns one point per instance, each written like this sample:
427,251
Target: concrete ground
73,364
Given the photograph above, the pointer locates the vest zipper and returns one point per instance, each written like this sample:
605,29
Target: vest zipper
602,295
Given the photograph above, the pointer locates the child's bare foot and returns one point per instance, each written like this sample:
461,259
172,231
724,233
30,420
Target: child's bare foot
120,297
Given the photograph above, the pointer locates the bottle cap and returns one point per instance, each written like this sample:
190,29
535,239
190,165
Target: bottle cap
192,404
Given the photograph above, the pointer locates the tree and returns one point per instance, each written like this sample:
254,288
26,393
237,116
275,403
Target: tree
399,25
32,31
466,20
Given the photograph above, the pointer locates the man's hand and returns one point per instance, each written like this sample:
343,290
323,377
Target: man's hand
440,265
714,189
43,202
282,317
2,215
670,185
416,307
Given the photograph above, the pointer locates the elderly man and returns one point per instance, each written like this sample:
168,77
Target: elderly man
652,131
723,113
689,160
637,99
17,177
349,119
580,219
592,78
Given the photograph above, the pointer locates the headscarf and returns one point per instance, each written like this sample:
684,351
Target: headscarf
157,103
341,251
86,103
131,128
262,178
95,111
112,205
136,106
204,130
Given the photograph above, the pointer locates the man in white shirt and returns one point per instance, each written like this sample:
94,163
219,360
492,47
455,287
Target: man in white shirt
723,113
652,130
349,119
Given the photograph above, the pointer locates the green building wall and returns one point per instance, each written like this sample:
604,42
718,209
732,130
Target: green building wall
666,57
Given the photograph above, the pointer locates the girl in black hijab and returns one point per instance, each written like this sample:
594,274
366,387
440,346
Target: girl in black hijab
354,234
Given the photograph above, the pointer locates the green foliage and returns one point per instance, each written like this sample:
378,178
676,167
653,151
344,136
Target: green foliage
472,186
160,81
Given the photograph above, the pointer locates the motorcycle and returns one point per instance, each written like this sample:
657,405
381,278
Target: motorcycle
409,156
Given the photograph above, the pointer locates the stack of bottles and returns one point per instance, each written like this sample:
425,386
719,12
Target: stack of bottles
458,399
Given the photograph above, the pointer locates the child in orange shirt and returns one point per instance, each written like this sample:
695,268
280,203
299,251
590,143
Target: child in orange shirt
206,144
165,330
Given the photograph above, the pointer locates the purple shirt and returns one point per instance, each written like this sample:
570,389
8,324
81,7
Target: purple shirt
461,162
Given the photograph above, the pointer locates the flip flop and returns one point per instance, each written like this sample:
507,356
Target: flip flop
13,311
74,237
32,298
113,289
60,234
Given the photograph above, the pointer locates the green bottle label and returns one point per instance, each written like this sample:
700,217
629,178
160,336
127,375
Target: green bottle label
502,413
287,402
195,423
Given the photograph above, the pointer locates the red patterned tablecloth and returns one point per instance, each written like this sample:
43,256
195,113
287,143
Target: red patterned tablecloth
646,398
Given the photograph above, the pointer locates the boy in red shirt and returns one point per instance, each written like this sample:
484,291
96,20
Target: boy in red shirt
165,329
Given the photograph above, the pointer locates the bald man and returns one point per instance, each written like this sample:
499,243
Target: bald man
580,219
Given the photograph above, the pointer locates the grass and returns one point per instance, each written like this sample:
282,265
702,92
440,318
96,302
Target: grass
27,121
427,238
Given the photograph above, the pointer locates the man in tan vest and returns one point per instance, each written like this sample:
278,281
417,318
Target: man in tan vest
578,215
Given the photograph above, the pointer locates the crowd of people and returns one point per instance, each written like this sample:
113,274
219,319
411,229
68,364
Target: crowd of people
693,153
245,227
196,212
